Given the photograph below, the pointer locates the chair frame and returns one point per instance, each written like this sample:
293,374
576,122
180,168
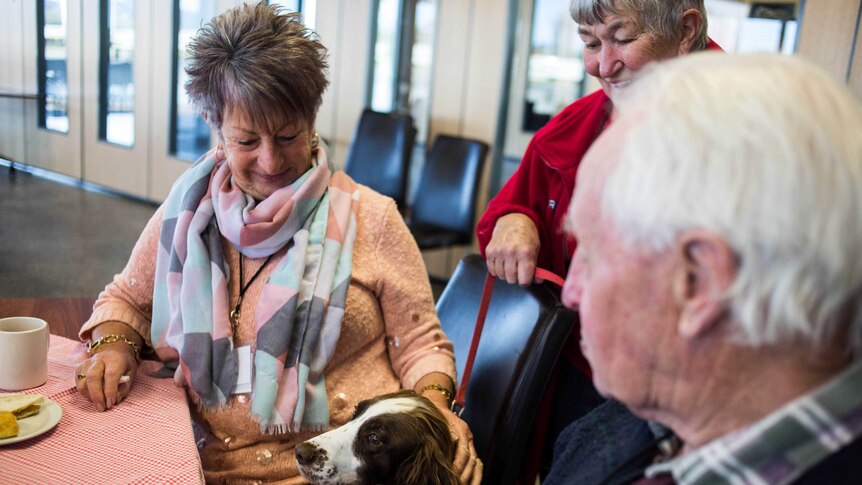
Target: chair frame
504,451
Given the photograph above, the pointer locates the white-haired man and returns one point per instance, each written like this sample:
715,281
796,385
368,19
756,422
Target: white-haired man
718,273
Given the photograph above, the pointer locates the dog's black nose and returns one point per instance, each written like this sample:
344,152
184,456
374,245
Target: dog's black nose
306,453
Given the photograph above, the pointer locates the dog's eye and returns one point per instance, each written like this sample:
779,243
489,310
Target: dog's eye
373,439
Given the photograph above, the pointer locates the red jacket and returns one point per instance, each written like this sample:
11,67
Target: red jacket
542,186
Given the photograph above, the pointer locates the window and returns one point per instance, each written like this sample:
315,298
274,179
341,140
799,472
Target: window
546,75
308,8
758,27
555,71
51,18
402,67
418,97
292,5
190,134
385,56
403,58
116,80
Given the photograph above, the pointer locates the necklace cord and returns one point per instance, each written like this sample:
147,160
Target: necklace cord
235,314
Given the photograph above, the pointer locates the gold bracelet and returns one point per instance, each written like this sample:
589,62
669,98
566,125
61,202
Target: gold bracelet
437,387
109,339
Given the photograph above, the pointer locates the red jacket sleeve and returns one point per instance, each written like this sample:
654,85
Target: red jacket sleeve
515,197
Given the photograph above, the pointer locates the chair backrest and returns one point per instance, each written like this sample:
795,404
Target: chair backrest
380,152
446,194
524,332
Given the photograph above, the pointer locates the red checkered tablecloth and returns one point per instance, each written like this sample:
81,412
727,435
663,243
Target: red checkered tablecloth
145,439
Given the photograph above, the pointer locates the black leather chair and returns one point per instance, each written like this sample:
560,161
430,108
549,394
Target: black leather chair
444,206
524,332
380,153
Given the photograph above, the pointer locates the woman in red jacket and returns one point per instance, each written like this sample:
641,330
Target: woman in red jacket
521,229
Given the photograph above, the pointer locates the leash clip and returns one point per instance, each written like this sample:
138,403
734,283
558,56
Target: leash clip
457,409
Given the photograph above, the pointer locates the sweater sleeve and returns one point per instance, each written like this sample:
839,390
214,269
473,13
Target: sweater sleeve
516,196
417,345
129,297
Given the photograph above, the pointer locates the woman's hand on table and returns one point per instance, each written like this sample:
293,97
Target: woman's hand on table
511,254
115,352
101,377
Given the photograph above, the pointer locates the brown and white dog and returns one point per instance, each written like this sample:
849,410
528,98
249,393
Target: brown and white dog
399,438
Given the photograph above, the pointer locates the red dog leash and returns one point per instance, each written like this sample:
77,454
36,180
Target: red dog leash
458,403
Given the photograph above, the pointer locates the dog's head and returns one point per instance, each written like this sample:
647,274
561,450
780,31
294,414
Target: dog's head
399,438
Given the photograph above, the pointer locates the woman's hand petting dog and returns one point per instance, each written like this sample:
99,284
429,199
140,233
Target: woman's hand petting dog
467,463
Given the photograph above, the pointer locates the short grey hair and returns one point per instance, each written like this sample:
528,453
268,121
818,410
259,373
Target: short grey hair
662,18
260,60
764,150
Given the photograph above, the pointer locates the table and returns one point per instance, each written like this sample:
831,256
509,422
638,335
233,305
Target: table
64,315
148,438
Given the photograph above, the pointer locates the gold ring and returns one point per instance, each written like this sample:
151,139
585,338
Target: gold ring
82,376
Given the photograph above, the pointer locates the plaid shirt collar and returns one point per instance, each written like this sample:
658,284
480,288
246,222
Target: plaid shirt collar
782,446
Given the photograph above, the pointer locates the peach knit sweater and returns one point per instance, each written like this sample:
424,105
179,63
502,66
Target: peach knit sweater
390,337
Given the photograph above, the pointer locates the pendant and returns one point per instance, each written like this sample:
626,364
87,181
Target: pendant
234,319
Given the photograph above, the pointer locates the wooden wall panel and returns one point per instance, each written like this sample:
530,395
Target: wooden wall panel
484,68
452,45
344,27
827,32
55,151
855,80
12,146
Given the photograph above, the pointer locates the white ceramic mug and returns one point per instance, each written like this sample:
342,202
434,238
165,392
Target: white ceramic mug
24,345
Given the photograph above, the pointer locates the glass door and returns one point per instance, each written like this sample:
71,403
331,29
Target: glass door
547,75
402,64
116,118
179,135
52,70
13,92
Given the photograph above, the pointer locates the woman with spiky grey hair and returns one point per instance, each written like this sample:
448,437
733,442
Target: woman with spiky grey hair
522,227
278,292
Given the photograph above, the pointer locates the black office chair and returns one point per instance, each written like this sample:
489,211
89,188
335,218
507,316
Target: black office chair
524,332
380,153
443,208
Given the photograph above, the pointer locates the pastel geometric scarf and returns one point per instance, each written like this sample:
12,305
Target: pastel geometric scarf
298,317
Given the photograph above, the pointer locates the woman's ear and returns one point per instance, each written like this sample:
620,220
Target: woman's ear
708,269
689,27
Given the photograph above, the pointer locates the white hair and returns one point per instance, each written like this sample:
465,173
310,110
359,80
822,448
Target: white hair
765,151
663,18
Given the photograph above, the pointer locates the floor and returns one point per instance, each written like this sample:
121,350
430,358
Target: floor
60,240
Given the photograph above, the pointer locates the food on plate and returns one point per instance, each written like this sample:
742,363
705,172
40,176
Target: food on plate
21,405
8,425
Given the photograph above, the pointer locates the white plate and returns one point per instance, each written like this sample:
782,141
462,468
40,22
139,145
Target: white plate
33,426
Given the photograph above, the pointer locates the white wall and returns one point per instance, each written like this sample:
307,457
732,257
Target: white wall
12,81
344,28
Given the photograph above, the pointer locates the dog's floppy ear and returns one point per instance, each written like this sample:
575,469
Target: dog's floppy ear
428,466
